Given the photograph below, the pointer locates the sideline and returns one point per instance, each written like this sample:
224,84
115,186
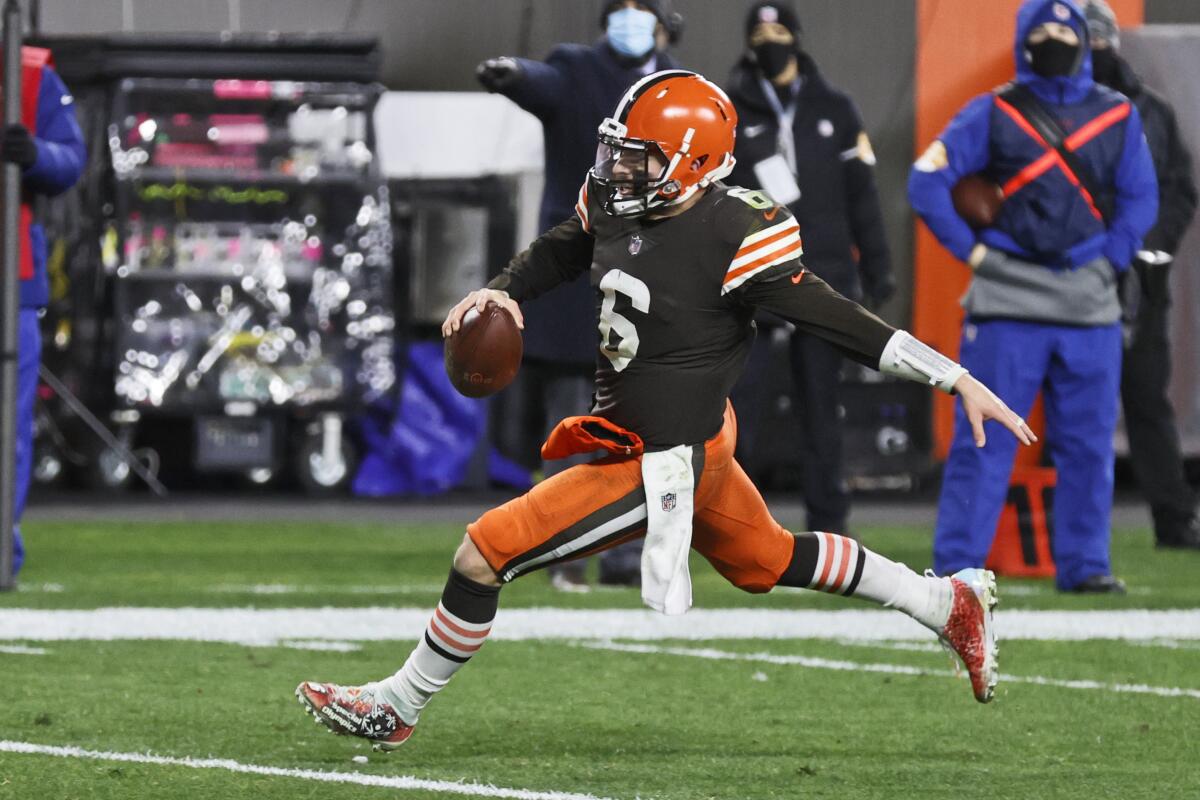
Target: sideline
228,765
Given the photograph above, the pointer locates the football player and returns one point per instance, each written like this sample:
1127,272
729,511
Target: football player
679,262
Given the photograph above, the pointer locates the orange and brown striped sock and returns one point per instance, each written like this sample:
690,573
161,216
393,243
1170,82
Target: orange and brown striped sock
458,628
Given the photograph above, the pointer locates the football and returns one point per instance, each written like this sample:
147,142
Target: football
977,200
484,354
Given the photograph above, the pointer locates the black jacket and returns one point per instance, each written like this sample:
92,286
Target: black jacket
571,92
1172,162
838,209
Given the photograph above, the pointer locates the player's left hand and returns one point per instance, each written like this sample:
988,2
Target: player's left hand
981,404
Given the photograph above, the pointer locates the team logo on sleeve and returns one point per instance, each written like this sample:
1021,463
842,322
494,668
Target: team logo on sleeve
635,244
668,501
933,159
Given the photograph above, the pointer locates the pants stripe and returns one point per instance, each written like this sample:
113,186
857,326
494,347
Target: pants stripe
582,540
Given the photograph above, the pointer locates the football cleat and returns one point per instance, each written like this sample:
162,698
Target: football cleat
970,632
355,711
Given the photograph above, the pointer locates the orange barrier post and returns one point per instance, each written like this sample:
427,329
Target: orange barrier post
1021,548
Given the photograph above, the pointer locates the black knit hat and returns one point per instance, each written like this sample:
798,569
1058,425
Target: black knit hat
774,11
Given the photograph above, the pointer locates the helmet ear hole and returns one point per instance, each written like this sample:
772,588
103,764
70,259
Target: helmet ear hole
699,163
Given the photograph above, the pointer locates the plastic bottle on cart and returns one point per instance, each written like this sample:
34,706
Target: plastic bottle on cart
135,243
160,252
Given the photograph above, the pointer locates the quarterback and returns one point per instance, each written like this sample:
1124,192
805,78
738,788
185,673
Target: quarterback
680,262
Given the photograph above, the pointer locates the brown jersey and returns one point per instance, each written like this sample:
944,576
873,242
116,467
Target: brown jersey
675,300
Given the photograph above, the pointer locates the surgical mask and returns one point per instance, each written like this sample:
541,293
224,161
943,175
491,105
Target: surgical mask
1052,58
1104,66
630,31
773,57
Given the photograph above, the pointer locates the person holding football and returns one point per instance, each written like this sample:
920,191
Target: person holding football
679,262
1042,311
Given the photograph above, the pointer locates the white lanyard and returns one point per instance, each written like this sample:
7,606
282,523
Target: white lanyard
787,116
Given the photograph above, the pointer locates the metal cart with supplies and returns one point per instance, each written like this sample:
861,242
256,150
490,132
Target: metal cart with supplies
249,247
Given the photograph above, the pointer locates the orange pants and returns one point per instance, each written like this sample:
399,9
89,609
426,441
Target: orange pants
591,507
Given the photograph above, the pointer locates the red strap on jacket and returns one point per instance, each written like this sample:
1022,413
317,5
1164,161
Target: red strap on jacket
1051,158
33,61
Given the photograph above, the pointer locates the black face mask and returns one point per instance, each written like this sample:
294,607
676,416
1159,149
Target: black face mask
772,57
1052,58
1105,67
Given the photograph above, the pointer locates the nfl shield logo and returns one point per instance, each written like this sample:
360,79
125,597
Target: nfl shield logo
635,245
668,501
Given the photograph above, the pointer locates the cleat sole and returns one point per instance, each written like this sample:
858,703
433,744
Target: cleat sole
380,747
991,663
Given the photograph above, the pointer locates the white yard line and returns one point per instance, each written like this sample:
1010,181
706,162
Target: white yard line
292,588
892,669
22,650
270,626
915,647
382,781
329,646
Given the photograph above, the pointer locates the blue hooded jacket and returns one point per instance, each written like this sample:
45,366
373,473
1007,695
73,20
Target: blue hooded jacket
61,156
1046,220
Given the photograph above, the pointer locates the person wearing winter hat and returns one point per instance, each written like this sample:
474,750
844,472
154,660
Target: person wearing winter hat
1149,418
1042,311
803,142
571,92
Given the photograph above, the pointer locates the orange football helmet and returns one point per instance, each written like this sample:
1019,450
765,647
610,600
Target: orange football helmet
671,134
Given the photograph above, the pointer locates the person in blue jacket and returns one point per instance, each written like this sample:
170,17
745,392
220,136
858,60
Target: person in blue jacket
48,147
571,92
1042,311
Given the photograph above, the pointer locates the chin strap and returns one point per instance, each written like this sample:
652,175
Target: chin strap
906,356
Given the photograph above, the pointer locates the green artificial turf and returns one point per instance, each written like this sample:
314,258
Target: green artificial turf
562,717
283,565
556,717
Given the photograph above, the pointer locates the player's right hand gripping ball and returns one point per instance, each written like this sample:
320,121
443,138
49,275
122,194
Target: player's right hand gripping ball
484,354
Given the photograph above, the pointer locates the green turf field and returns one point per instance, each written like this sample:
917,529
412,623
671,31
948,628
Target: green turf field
681,719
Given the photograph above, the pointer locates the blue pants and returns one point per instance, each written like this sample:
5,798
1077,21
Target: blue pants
1079,372
29,353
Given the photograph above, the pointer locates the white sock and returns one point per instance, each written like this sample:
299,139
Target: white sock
423,675
928,600
458,628
839,565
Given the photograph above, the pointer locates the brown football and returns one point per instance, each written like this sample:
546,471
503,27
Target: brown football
483,356
977,200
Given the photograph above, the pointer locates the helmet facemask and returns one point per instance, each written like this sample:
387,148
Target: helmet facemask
633,173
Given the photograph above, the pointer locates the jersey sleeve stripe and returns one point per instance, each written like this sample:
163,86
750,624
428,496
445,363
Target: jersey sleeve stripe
769,246
789,249
766,233
758,246
788,253
581,208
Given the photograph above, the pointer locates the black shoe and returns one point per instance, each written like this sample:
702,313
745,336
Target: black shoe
620,577
1100,584
1185,536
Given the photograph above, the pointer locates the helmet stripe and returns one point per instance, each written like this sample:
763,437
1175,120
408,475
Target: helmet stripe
640,88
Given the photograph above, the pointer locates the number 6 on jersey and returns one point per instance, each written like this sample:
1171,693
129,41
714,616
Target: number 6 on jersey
625,348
